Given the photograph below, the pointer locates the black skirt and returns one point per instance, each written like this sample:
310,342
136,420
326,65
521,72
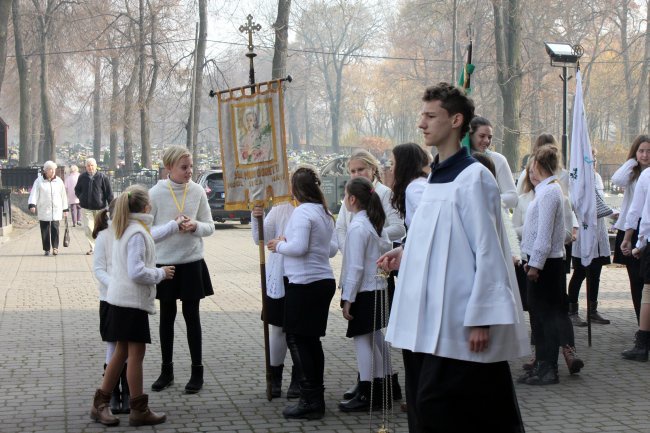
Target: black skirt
367,312
103,314
127,324
274,311
306,307
619,257
191,281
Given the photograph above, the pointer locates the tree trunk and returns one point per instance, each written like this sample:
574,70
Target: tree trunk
97,110
25,149
129,90
281,27
507,32
145,124
144,130
197,87
115,94
5,10
49,147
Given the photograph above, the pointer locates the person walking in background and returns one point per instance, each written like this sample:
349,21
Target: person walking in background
73,202
627,176
94,192
307,245
49,199
179,195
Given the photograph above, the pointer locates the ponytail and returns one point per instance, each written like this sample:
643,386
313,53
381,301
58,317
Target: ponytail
133,200
368,200
101,219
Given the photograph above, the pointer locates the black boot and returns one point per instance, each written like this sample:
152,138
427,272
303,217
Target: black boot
276,380
311,404
576,320
640,350
595,316
126,394
360,402
116,399
166,377
196,380
395,388
545,374
352,391
294,386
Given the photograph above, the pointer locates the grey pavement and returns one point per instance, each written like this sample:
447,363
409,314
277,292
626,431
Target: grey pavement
51,355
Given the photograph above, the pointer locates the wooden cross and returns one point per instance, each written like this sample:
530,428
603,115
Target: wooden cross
250,27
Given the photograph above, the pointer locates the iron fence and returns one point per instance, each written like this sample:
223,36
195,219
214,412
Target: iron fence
122,179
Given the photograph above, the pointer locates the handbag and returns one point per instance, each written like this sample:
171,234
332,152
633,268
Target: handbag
602,209
66,234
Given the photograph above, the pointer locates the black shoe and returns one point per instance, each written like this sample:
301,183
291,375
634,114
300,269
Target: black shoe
294,386
352,391
276,381
165,379
310,406
196,380
360,402
595,316
116,399
640,350
545,374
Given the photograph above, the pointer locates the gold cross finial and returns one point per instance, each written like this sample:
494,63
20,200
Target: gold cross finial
250,27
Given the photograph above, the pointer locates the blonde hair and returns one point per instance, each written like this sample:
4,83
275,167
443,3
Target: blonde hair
370,161
527,185
133,200
173,154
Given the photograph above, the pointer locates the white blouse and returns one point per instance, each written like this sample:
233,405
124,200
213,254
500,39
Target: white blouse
504,178
623,178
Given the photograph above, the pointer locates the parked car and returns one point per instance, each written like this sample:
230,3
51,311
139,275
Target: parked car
212,182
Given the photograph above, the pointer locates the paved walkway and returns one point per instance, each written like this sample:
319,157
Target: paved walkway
51,356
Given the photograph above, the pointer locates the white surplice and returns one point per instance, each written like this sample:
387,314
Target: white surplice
456,273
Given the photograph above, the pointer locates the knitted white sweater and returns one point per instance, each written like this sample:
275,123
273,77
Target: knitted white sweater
183,247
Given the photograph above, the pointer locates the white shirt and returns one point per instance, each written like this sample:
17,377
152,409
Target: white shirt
394,224
635,206
505,181
543,235
456,272
519,215
275,224
413,195
623,178
362,249
310,243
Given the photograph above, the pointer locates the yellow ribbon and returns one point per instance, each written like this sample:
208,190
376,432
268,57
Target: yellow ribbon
179,207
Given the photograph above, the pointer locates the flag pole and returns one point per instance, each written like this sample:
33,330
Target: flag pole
249,28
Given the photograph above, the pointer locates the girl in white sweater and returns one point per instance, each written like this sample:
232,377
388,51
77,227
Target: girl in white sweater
178,196
363,291
130,295
308,244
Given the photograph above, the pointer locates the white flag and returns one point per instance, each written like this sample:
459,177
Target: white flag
581,182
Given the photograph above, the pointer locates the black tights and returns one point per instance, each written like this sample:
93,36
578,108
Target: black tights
307,351
192,323
580,272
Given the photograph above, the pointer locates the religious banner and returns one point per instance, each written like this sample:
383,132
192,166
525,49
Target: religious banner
253,146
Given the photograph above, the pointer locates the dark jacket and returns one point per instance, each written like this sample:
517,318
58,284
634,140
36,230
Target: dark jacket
94,192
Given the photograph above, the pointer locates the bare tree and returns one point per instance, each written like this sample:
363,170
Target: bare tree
97,109
25,149
145,96
281,27
5,10
507,36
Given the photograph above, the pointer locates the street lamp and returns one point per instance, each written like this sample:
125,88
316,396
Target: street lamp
563,55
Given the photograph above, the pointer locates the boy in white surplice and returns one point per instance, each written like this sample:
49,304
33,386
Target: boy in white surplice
456,313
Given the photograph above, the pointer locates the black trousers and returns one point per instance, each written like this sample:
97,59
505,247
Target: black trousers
446,395
307,353
49,232
547,304
580,273
636,284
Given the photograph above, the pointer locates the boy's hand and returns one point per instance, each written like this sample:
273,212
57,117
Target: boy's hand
478,339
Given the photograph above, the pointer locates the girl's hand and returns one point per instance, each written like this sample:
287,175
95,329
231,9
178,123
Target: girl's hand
180,220
533,274
272,245
346,310
391,260
190,225
478,339
32,209
258,211
626,247
636,253
169,272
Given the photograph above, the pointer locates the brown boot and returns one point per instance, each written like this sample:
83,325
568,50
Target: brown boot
141,414
574,363
101,410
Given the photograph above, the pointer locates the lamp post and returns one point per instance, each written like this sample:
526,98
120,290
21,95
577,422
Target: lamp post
562,56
